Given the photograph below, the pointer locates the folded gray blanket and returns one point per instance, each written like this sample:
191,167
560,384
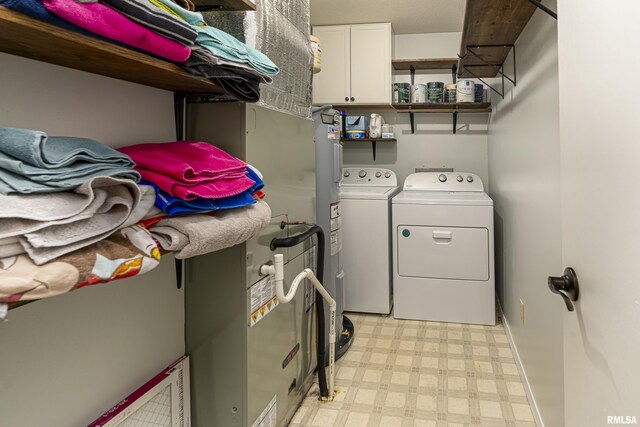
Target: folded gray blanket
236,82
210,233
53,242
32,162
25,213
48,226
203,63
159,20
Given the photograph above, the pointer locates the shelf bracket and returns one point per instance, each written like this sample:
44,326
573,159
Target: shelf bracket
179,108
500,67
413,122
454,72
412,70
373,147
544,8
455,122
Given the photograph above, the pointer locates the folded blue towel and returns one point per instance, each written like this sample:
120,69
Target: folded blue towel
32,162
35,9
173,206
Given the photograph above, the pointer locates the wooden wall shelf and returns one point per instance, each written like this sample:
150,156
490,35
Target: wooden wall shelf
373,142
425,64
493,26
368,140
225,5
23,36
441,107
362,107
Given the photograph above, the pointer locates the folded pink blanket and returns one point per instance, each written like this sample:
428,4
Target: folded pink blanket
215,188
187,161
104,21
190,169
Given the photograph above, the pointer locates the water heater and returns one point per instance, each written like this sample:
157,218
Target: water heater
328,175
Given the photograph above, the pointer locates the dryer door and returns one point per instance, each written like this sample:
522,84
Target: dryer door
443,252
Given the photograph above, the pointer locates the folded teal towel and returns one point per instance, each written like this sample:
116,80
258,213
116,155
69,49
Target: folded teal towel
36,148
32,162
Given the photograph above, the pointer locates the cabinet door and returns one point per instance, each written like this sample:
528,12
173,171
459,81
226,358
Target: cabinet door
371,64
331,85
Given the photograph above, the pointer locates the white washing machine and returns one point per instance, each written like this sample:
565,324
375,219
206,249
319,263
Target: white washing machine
443,260
365,201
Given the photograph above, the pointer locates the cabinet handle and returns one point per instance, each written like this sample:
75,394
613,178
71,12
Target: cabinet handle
346,98
352,99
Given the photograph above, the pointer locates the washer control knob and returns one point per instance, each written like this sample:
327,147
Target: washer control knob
378,174
459,178
442,177
387,175
362,173
469,178
346,174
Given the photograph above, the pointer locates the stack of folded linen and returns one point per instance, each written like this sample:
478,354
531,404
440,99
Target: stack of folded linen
195,180
174,206
192,171
60,197
238,68
166,30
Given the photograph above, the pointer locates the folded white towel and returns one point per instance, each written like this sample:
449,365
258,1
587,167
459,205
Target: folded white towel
210,233
10,246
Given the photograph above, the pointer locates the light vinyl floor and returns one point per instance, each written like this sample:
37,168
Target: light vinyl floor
403,373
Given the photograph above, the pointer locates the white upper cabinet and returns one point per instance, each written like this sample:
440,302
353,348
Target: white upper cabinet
332,84
356,64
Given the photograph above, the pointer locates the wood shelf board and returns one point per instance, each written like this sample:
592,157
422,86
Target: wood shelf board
435,106
425,64
368,140
23,36
492,22
362,107
228,5
441,111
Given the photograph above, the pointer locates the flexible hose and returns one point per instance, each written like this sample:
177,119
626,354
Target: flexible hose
287,242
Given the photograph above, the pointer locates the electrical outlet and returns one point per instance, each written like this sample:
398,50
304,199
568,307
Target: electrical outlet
521,312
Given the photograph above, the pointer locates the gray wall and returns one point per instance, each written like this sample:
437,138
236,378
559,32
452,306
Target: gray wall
524,178
66,360
433,144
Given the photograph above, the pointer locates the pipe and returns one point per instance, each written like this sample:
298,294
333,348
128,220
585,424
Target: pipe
287,242
277,270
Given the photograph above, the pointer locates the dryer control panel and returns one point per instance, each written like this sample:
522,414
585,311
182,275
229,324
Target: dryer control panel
443,181
374,177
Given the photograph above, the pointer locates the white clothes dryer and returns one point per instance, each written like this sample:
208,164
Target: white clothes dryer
365,199
443,249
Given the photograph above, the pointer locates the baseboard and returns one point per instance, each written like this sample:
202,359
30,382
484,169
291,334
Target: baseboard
523,375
